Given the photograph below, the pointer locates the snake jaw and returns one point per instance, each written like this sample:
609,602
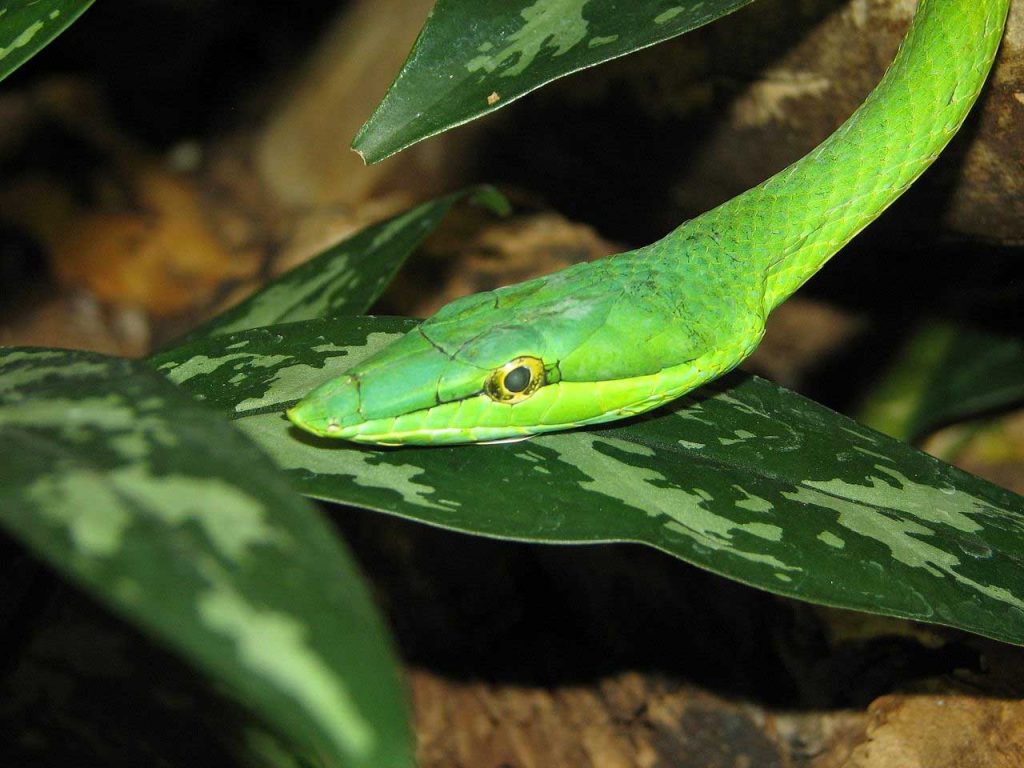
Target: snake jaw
477,418
416,393
400,385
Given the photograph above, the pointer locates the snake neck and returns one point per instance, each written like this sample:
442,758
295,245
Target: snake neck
794,222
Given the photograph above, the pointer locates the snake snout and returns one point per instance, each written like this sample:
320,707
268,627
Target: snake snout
327,409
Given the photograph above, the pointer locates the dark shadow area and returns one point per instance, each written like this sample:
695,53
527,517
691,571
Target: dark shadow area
898,286
608,157
472,608
171,70
79,687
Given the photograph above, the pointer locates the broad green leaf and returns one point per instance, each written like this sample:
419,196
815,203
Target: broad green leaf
946,373
475,56
347,278
67,655
744,478
26,26
160,509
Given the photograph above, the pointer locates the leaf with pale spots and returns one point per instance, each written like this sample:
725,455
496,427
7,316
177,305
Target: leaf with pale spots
743,478
475,56
26,26
348,277
162,510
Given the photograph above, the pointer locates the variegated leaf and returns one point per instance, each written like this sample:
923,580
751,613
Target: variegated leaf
347,278
743,478
26,26
87,687
475,56
163,511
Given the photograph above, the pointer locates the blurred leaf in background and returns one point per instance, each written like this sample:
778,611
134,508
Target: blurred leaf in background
161,510
349,277
946,373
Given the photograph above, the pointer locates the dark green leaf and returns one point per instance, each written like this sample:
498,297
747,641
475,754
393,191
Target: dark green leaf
744,478
347,278
946,373
476,56
26,26
162,510
79,686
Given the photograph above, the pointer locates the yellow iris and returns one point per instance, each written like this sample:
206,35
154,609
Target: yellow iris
516,380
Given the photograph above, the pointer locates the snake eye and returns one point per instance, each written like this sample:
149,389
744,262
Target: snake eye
516,380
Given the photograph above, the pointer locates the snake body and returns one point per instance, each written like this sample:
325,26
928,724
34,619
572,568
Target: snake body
617,337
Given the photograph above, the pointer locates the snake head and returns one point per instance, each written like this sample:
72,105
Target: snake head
418,391
576,347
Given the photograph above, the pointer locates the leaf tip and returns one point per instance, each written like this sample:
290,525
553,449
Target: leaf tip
368,146
491,198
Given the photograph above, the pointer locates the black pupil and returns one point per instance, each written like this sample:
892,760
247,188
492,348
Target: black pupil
517,379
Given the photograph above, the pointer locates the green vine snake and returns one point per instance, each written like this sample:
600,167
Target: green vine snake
613,338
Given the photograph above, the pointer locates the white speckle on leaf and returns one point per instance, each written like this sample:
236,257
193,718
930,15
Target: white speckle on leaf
22,377
652,493
110,414
859,434
557,24
328,347
232,520
200,365
741,436
274,646
22,40
831,540
266,361
873,454
84,502
926,503
364,467
668,14
294,381
752,502
14,356
909,541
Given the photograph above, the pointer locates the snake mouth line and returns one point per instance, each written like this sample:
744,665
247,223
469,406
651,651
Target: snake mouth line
414,428
390,431
479,418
